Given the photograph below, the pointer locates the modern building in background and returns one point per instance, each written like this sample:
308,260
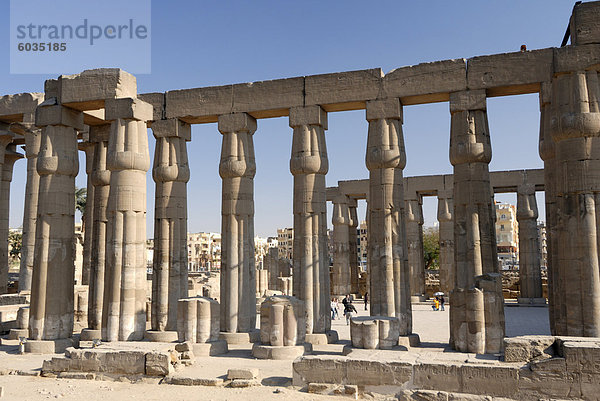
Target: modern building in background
507,235
285,242
361,237
541,228
204,251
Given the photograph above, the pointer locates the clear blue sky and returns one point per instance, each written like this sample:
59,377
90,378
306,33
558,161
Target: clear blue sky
201,43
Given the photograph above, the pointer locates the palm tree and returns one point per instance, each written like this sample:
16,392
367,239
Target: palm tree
80,202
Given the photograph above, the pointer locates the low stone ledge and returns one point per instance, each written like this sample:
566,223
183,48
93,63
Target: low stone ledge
526,348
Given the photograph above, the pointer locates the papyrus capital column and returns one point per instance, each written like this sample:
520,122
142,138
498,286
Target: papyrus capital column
238,273
88,216
353,246
574,127
341,253
445,212
309,165
123,313
387,250
51,310
529,250
414,240
171,173
477,314
33,140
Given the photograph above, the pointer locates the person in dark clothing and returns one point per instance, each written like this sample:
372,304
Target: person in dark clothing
349,309
366,299
442,301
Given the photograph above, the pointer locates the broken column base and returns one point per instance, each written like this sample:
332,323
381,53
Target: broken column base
409,340
90,335
532,301
48,346
329,337
15,334
157,336
240,338
261,351
211,348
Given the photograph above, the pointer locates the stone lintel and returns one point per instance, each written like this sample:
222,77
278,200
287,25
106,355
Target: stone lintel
309,115
385,108
237,122
343,87
58,115
468,100
576,58
172,127
585,23
89,89
128,108
157,100
15,108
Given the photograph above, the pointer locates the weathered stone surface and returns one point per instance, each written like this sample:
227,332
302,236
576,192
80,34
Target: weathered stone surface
426,82
268,98
526,348
246,374
200,105
585,23
335,91
242,383
87,90
510,73
158,364
14,107
574,58
157,100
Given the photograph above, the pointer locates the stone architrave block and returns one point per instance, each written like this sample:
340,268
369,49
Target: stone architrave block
157,100
577,58
309,115
173,127
128,108
387,108
237,122
12,107
510,70
58,115
468,100
268,95
99,133
585,23
439,77
199,104
89,89
342,87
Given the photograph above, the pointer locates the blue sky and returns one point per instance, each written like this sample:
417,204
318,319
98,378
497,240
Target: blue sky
201,43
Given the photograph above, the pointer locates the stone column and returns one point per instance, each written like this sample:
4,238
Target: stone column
477,314
556,304
238,272
5,139
387,252
32,148
309,165
124,303
340,284
414,240
446,232
51,309
100,179
88,215
574,127
353,246
171,173
530,277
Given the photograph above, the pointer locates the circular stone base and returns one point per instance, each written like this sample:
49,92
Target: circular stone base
411,340
240,338
322,338
261,351
211,348
90,335
48,346
161,336
14,334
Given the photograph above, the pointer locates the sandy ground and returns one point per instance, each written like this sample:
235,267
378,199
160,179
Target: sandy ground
432,327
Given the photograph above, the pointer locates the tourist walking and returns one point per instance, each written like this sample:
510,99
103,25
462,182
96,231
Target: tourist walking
366,299
442,301
335,314
349,309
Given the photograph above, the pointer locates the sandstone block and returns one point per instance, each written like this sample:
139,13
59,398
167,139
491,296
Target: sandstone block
12,107
128,108
467,100
585,23
526,348
309,115
200,105
268,98
184,346
510,73
89,89
576,58
426,82
158,364
319,388
388,108
422,395
343,90
157,100
100,133
242,383
246,374
237,122
58,115
209,382
490,380
173,127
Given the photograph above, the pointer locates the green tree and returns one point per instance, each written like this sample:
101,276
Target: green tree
80,199
431,247
15,242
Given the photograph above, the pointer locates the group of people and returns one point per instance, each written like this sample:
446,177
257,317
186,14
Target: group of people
349,309
438,303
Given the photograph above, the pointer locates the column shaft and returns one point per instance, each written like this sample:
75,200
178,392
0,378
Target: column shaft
387,255
171,173
530,277
414,240
88,215
238,273
446,232
340,284
309,165
51,309
124,303
353,247
10,157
